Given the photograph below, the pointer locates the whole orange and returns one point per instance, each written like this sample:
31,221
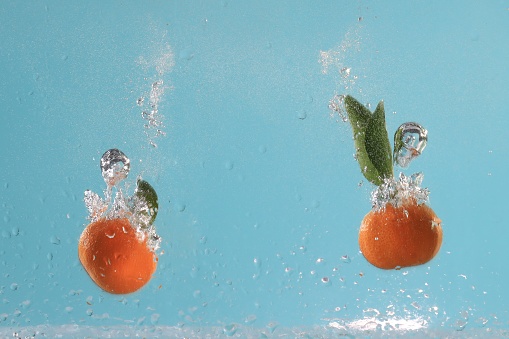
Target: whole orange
395,237
114,256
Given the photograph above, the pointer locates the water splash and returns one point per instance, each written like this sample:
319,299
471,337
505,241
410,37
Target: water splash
140,208
397,191
409,141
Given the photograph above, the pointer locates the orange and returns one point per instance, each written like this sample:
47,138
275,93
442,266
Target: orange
114,256
395,237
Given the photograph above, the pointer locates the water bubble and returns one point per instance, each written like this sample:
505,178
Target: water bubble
346,259
115,166
230,330
302,114
320,260
257,262
181,207
336,105
228,165
15,231
272,326
409,141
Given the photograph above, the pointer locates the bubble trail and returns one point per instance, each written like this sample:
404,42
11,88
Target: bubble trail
409,141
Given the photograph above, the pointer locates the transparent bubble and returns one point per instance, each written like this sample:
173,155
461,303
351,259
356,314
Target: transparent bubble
115,166
409,141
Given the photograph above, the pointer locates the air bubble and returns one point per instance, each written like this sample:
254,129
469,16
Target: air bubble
228,165
230,330
257,262
409,141
180,207
271,326
115,166
336,106
250,319
302,115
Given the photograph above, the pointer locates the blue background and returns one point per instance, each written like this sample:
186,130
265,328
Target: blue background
256,178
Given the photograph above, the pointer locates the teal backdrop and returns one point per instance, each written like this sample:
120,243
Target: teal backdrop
260,197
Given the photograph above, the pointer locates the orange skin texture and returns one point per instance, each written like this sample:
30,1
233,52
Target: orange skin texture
114,257
397,237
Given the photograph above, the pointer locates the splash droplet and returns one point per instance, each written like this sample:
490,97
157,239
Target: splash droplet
409,141
115,166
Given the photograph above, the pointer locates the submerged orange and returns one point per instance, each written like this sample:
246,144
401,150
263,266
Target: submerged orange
395,237
113,255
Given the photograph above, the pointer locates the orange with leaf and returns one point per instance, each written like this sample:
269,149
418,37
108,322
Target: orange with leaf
116,248
401,230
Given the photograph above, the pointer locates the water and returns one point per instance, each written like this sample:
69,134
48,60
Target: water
250,164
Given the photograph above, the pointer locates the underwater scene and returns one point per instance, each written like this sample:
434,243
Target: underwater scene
254,169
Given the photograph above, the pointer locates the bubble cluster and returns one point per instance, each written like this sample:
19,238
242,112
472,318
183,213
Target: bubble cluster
397,191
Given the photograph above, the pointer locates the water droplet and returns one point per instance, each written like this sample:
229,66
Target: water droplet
326,280
230,330
140,101
228,165
320,260
262,149
14,286
115,166
409,141
15,231
154,318
186,54
257,262
89,312
180,207
250,319
302,115
54,240
272,326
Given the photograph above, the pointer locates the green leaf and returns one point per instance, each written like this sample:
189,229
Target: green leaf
148,205
378,145
373,150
